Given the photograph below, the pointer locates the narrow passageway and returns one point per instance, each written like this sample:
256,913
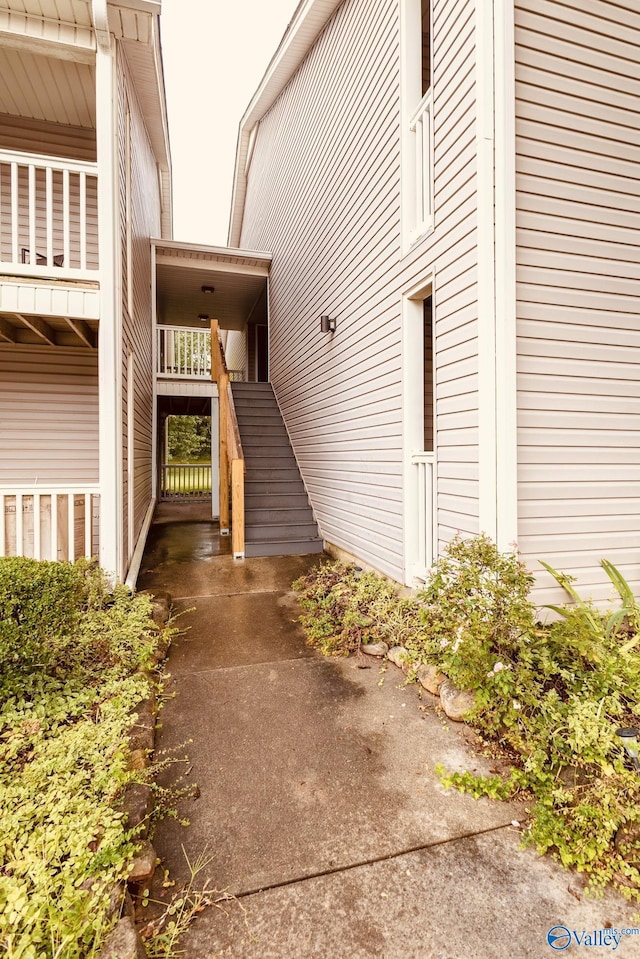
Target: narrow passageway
317,803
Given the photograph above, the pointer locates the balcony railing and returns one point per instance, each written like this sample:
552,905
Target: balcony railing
421,126
423,464
59,523
184,481
48,216
183,353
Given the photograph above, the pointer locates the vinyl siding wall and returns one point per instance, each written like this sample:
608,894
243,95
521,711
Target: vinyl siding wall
48,416
143,210
578,157
324,196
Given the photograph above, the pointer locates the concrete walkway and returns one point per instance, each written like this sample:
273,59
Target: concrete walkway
318,804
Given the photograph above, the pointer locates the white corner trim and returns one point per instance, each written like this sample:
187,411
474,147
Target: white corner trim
485,185
100,16
136,559
505,279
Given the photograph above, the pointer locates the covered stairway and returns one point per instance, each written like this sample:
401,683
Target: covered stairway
212,358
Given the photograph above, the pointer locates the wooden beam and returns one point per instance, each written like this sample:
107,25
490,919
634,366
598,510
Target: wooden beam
83,332
39,327
7,331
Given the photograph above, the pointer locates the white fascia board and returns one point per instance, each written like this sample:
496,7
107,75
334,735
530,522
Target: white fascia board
308,22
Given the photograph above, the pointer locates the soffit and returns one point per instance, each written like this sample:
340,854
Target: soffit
77,12
44,88
238,276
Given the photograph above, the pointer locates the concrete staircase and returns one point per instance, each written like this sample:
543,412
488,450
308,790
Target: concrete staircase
278,517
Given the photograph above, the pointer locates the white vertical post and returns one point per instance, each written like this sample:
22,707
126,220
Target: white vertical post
88,524
32,215
49,214
54,526
3,532
19,525
110,335
66,208
37,545
83,220
71,527
14,212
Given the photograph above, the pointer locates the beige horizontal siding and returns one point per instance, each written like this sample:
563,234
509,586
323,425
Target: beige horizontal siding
49,139
48,416
323,195
578,156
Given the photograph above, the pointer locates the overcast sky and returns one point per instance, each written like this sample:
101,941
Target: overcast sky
215,53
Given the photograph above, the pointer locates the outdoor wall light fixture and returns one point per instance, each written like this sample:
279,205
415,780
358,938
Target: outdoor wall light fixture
203,316
629,737
327,324
208,289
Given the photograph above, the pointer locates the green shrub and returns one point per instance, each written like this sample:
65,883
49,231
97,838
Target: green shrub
550,697
39,601
72,652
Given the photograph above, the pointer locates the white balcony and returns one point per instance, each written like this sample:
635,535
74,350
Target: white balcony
48,217
56,523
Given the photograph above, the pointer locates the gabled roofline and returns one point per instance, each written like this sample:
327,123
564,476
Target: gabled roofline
307,23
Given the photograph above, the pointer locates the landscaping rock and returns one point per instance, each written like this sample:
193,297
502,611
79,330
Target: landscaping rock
398,656
142,733
120,902
160,606
138,759
456,702
430,678
375,649
123,943
137,804
143,866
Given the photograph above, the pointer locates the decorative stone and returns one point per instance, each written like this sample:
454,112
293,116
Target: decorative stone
398,656
456,702
138,759
430,678
143,866
120,902
142,733
123,943
160,606
375,649
137,805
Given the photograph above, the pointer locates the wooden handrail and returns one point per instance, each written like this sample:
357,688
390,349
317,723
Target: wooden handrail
232,466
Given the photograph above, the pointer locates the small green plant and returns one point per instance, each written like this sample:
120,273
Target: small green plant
72,650
345,607
548,697
477,611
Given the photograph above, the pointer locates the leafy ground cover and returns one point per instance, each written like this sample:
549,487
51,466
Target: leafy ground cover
75,657
548,698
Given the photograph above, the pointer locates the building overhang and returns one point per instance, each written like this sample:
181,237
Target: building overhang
236,279
307,23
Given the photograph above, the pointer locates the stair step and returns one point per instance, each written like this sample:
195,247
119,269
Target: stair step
260,431
280,532
275,501
270,516
242,386
258,474
285,548
255,462
265,441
